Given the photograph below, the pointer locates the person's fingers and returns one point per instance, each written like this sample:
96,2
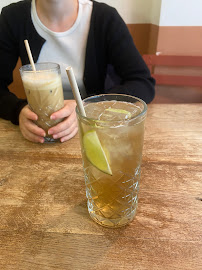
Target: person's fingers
32,132
32,137
33,128
63,131
69,107
66,132
69,136
28,128
64,125
28,114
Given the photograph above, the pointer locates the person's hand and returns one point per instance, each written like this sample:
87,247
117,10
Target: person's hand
28,128
68,128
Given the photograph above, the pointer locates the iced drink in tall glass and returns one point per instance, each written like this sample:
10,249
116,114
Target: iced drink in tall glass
44,92
111,138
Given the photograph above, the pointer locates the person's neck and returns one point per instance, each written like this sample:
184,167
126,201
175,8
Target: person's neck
58,16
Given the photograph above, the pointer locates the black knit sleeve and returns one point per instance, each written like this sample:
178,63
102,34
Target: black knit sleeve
10,105
122,54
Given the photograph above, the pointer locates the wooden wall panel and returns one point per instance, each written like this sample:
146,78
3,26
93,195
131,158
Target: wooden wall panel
180,40
145,37
16,86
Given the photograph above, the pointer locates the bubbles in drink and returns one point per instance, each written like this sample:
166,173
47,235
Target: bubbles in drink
112,110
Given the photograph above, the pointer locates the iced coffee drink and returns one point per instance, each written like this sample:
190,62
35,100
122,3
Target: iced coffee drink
44,92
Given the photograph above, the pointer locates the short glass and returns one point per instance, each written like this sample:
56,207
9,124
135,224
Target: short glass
44,93
111,137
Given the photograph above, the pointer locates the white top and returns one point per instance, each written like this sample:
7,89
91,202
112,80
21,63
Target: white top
66,48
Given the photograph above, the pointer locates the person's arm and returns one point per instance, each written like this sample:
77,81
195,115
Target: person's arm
127,61
10,105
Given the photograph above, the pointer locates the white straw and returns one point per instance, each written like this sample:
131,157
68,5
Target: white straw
29,54
75,90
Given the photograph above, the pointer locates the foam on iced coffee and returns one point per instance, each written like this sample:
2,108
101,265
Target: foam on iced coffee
41,81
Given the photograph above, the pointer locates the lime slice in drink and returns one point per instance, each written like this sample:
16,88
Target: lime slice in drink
95,152
127,113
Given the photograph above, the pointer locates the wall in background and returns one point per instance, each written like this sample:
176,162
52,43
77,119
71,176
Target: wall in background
6,2
142,18
166,26
137,11
180,27
180,33
181,13
132,11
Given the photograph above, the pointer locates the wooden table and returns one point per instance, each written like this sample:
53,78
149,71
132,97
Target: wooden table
44,223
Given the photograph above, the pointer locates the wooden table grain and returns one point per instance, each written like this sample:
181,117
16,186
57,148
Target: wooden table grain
44,223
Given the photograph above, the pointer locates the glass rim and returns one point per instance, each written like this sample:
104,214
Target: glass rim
53,66
141,114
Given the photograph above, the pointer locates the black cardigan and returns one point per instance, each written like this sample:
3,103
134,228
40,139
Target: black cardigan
109,44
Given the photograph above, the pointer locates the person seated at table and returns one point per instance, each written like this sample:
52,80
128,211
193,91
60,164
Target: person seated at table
87,35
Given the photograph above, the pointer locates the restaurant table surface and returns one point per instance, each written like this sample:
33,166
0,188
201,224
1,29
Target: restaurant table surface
44,222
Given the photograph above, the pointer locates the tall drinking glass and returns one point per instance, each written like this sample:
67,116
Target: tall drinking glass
111,137
44,92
